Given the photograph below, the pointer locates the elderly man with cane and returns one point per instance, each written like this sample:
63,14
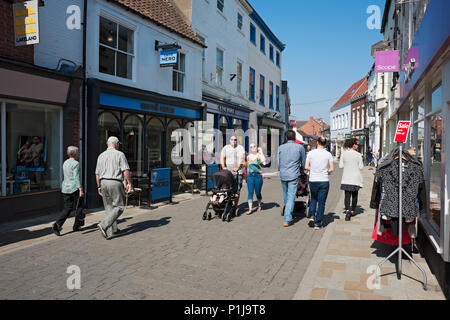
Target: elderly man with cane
112,167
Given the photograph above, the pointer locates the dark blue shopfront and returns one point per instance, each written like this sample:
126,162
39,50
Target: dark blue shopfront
143,122
225,116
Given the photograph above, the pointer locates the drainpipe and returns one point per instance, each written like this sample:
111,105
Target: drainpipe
83,135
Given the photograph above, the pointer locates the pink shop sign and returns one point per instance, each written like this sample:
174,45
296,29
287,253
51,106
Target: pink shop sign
386,61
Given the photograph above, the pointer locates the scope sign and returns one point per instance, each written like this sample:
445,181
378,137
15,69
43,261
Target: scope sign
402,131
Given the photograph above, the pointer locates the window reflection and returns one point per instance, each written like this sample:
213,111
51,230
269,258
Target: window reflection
155,131
133,140
108,125
435,169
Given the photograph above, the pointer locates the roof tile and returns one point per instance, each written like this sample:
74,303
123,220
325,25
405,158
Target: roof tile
349,93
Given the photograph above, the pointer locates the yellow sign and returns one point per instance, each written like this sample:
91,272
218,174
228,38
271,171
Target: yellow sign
26,22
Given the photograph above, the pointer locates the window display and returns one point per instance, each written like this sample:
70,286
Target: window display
133,143
436,170
33,147
154,143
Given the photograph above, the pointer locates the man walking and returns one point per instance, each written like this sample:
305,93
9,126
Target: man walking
232,159
291,157
112,166
319,162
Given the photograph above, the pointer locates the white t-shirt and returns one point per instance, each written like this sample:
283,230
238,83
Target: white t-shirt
232,156
319,164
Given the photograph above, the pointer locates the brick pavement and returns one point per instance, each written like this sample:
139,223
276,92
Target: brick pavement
339,270
167,253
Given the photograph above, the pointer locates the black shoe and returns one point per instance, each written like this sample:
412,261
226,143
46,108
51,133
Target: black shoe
56,229
311,222
348,216
77,225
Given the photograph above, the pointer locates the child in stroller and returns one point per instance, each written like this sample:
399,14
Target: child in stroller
223,200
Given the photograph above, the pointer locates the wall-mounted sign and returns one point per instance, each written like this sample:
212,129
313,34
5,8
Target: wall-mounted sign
168,58
386,61
402,131
26,23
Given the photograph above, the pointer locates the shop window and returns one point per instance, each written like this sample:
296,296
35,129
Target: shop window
133,143
208,138
155,132
436,99
219,66
33,148
173,143
436,170
108,125
239,131
252,85
179,73
223,127
116,49
239,77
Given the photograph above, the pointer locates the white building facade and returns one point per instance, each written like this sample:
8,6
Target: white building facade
339,127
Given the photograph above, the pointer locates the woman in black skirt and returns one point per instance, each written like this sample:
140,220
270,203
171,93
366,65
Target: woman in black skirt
351,161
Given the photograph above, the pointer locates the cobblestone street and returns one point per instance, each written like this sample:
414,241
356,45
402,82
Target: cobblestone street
171,253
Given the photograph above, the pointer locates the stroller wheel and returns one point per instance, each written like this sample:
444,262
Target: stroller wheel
224,216
204,215
229,217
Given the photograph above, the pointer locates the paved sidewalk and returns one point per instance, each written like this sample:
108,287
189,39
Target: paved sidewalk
339,269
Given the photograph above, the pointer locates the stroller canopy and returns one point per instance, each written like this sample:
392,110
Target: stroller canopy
223,177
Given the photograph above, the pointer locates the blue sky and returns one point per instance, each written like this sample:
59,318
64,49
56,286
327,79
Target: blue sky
327,48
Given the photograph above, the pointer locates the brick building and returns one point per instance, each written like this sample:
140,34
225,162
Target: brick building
313,127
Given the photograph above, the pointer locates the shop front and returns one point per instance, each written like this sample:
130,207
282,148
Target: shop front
143,121
268,140
225,116
39,108
425,101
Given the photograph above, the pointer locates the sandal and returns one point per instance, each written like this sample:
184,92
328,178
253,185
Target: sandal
249,212
259,209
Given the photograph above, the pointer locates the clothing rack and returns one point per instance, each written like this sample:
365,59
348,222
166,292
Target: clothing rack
400,248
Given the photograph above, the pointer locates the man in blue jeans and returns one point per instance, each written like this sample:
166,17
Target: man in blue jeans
319,162
291,157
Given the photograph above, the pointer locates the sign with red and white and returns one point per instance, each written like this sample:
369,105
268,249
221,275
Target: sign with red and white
293,123
402,131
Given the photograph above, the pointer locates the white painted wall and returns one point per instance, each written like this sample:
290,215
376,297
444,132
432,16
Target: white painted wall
56,40
340,128
147,73
220,30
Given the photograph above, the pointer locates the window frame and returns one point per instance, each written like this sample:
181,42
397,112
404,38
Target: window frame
240,23
179,73
262,43
117,50
252,33
270,95
220,5
271,58
277,92
221,68
278,58
239,76
252,87
262,85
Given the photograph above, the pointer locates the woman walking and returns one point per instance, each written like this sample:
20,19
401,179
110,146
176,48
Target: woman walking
71,191
351,161
255,161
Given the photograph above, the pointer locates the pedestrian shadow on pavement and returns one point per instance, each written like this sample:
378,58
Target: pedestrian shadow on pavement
329,218
141,226
21,235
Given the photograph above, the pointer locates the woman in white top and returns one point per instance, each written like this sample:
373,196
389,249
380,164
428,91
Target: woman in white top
351,161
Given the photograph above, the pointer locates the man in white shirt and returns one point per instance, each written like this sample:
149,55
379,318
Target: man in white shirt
319,163
232,159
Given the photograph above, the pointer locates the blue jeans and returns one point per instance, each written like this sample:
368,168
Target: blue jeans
254,184
289,193
319,194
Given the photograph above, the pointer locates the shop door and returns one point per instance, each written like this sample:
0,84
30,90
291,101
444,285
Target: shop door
154,149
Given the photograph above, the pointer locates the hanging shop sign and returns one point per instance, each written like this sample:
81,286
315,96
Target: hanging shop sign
168,58
26,23
386,61
402,131
293,123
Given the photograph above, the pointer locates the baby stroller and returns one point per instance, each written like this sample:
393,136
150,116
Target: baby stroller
303,186
223,199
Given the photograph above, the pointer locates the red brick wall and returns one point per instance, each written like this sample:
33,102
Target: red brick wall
312,128
7,47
